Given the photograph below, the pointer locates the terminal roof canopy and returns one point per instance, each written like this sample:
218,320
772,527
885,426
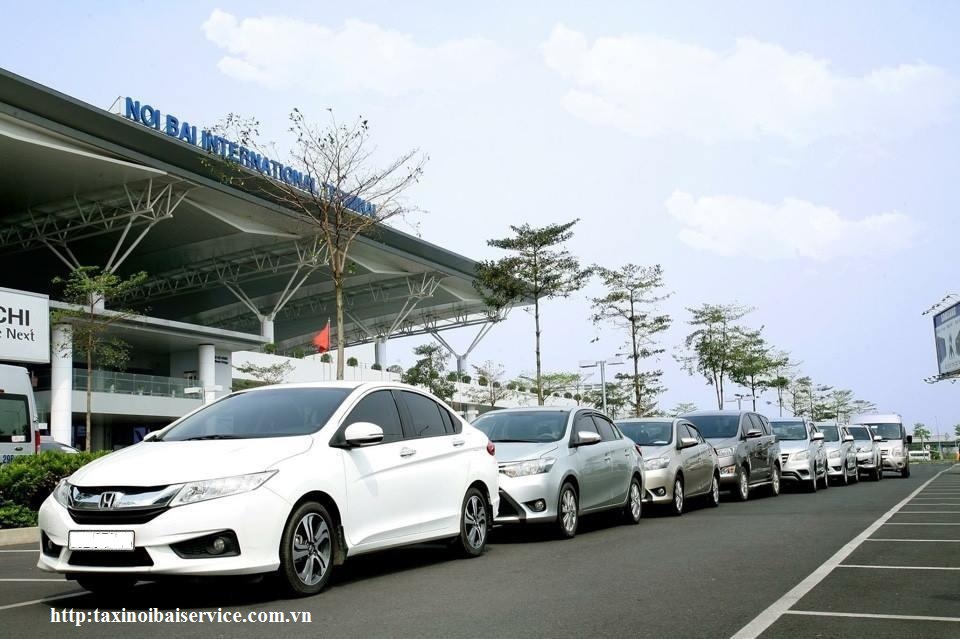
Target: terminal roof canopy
81,185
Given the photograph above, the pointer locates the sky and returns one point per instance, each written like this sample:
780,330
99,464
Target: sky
798,158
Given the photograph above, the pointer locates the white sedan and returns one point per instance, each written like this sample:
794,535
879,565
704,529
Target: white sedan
291,479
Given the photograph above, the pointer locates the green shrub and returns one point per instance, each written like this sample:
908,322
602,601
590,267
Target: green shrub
16,516
29,479
352,361
325,358
376,367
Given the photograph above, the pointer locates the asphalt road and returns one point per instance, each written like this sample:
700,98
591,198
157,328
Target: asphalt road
706,574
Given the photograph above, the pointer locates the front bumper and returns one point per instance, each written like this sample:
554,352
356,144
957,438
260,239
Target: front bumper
520,497
796,470
728,473
658,487
893,462
866,461
257,518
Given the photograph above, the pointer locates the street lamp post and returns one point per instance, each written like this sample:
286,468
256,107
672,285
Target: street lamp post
602,365
740,397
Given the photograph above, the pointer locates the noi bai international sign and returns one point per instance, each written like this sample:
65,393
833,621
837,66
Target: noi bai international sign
232,151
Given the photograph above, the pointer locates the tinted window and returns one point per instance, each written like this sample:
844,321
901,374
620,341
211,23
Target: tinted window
605,428
523,426
695,433
648,433
380,409
790,431
860,434
755,423
425,415
584,422
451,422
887,431
716,426
830,433
279,412
14,419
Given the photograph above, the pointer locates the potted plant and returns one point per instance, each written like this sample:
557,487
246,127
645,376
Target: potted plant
325,358
352,361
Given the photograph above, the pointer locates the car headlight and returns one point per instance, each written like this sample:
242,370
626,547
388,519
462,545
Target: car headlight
529,467
656,463
195,491
898,452
834,453
725,452
62,493
803,455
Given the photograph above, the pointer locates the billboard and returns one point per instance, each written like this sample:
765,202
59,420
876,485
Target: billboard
24,327
946,331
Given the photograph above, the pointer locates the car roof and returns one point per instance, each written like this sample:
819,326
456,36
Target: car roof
787,419
716,412
633,420
533,409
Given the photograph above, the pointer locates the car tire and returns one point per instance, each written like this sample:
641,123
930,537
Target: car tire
308,547
633,510
474,525
776,481
107,586
826,479
679,499
905,472
812,484
568,511
742,491
713,498
856,475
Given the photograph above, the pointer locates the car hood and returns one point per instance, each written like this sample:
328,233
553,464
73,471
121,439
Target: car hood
724,442
168,462
522,451
652,452
794,446
862,445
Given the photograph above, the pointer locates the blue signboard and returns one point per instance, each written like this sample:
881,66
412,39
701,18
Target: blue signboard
231,151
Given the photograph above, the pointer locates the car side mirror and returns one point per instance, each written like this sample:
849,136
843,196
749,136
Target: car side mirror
909,439
753,434
362,434
878,438
686,442
848,438
586,438
817,437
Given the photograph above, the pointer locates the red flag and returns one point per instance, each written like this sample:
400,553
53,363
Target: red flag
322,339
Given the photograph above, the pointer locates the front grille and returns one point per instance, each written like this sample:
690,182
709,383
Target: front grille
119,517
111,558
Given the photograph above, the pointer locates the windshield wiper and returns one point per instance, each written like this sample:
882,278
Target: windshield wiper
199,437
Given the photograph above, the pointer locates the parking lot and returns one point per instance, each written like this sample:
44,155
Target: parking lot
868,560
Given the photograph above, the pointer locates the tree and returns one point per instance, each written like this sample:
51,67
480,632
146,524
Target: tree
799,391
428,371
494,391
681,409
89,289
921,432
551,383
537,268
630,304
712,346
617,399
862,407
334,187
956,431
840,403
753,362
268,374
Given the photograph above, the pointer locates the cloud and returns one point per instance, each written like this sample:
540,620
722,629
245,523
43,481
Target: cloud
650,86
281,53
736,226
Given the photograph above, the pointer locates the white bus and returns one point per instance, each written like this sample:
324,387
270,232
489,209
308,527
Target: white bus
895,448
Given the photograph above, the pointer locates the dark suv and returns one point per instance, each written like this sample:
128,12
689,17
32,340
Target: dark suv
747,449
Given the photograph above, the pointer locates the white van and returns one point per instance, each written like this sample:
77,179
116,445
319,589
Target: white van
19,427
896,442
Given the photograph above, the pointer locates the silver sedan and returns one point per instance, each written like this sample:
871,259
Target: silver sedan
678,463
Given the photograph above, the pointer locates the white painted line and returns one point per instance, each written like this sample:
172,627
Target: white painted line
46,600
939,541
921,523
935,503
57,580
929,512
866,615
33,551
773,612
898,567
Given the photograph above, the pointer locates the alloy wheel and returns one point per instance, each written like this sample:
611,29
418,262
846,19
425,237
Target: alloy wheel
715,492
568,511
636,500
678,496
312,548
475,521
744,485
775,484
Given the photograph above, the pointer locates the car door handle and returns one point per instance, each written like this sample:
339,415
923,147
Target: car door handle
458,442
407,452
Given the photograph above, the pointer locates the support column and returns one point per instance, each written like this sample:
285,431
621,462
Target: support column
61,384
380,351
266,327
207,370
461,366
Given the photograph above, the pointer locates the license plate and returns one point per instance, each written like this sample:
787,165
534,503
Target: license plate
100,540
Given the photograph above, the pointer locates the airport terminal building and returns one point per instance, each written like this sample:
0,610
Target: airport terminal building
227,270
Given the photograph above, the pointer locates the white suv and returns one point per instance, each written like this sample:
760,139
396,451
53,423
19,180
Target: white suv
290,479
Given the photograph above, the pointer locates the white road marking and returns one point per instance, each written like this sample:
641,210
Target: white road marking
773,612
929,512
57,580
898,567
939,541
33,551
867,615
922,523
45,600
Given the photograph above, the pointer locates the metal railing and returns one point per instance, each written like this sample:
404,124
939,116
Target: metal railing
133,384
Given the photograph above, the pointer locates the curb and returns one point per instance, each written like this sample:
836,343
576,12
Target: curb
17,536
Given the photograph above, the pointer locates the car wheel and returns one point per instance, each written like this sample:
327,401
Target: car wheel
879,471
474,524
826,478
632,511
905,472
568,511
714,498
856,475
846,477
107,586
307,549
775,482
742,492
812,484
676,506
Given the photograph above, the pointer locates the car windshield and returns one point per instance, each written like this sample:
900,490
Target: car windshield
280,412
648,433
887,431
860,434
830,433
716,426
789,431
523,426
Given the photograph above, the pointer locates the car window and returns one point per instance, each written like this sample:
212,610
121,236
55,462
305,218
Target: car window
451,422
605,428
425,415
584,422
686,430
378,408
14,420
754,423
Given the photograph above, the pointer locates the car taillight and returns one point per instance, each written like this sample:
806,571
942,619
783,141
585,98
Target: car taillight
491,448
